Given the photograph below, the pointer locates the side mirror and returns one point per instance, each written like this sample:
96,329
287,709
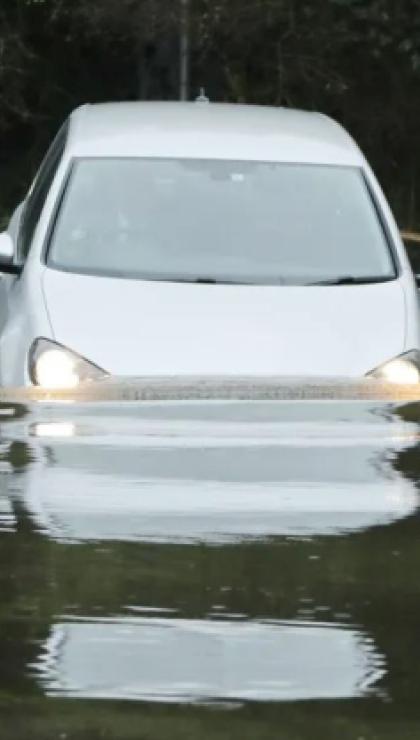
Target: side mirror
412,245
6,248
7,252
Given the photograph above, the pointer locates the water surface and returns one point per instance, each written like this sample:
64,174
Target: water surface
209,569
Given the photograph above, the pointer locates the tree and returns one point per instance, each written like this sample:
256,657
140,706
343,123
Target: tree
357,60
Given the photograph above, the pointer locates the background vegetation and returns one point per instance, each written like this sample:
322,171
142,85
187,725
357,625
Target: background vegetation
357,60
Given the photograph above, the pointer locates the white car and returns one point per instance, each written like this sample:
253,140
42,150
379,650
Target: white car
191,239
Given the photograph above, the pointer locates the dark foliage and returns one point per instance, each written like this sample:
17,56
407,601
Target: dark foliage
357,60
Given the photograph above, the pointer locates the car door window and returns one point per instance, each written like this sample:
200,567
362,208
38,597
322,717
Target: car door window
37,196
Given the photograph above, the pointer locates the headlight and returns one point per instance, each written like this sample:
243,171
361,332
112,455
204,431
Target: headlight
53,366
403,370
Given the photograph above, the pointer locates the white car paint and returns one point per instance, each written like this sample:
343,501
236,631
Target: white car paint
133,327
176,328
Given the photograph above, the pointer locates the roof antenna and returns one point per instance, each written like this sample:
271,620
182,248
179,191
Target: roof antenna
202,97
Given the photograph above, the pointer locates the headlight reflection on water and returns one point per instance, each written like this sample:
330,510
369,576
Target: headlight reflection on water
54,429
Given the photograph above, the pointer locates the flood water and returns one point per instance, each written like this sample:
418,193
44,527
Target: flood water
210,569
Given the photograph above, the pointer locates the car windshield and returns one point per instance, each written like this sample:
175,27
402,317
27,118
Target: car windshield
220,221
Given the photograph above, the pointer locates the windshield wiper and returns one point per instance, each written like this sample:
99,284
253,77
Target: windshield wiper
202,281
353,280
205,281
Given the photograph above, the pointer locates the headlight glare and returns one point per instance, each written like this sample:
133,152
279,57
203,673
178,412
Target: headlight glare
55,367
403,370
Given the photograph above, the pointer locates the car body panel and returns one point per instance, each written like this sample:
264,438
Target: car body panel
216,131
135,327
27,319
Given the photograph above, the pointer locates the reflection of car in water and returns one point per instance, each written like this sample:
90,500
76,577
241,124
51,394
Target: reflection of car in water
215,472
192,239
206,660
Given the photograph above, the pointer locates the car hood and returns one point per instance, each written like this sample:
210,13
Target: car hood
134,327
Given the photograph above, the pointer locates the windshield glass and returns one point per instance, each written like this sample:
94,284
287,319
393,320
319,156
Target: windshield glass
219,221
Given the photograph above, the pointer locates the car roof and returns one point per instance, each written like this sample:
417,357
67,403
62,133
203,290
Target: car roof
209,131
